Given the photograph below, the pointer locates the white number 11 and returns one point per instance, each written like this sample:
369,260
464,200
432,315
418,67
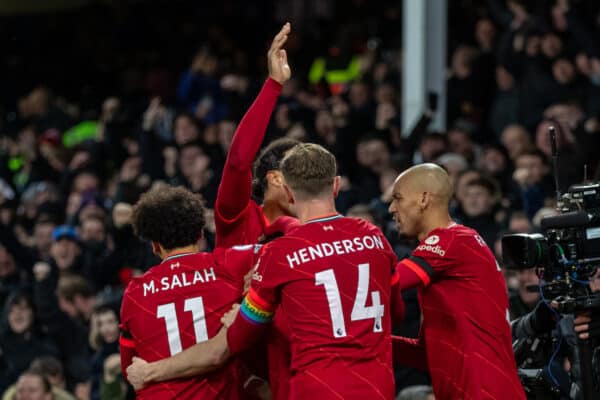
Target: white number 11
359,311
167,311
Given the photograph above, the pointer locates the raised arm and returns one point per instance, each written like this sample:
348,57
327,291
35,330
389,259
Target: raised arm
236,182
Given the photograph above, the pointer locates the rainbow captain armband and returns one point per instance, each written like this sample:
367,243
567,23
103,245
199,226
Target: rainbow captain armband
256,310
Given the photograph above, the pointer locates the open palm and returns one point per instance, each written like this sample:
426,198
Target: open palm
279,69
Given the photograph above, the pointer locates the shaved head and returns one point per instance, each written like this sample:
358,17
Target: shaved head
430,178
420,200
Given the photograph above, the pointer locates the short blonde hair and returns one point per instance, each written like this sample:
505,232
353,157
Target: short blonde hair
309,169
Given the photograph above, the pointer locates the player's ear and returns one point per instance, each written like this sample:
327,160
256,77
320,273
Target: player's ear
156,248
288,194
275,178
425,200
336,185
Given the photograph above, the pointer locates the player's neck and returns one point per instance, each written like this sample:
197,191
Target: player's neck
164,254
436,221
272,210
315,208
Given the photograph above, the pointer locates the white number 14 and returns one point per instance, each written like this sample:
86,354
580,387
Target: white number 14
359,311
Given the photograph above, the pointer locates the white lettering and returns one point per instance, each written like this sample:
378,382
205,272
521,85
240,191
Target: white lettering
149,287
304,255
197,277
348,246
180,280
175,282
378,242
209,275
315,252
293,260
434,249
327,249
359,245
338,247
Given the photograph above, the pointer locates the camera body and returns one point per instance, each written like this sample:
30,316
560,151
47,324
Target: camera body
567,255
567,252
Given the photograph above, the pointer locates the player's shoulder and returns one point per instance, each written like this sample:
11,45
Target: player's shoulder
451,233
356,222
137,281
450,238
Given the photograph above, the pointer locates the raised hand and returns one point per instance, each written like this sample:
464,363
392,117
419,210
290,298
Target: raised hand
279,69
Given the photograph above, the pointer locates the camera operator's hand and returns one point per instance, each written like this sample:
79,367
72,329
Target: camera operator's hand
587,324
543,319
537,322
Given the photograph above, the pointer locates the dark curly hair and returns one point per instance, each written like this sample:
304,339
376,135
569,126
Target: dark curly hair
171,216
269,160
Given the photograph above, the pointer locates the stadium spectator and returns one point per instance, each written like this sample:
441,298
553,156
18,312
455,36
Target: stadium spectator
33,386
51,369
21,337
478,209
104,339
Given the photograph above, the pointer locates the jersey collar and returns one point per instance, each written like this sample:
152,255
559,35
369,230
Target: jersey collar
175,255
324,218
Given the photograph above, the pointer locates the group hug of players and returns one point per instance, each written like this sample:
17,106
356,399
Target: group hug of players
318,300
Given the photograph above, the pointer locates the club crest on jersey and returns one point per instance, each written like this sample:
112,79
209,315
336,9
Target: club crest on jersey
433,239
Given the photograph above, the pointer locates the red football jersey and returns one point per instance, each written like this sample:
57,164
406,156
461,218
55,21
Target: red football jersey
331,277
179,303
465,325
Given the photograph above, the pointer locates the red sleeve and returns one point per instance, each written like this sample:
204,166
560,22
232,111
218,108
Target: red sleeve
258,307
126,341
127,354
412,272
397,302
235,188
409,352
243,333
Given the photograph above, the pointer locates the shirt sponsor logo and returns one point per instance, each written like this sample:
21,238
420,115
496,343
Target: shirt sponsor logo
257,277
433,249
433,239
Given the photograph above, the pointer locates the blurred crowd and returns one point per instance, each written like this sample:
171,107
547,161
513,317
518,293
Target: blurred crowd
155,95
